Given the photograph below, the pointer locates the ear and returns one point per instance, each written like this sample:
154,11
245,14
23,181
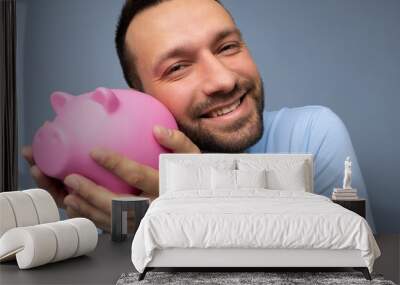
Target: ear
58,100
106,98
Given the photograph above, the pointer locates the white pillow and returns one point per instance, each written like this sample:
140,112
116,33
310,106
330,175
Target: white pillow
226,179
193,174
223,179
281,174
181,177
287,179
251,178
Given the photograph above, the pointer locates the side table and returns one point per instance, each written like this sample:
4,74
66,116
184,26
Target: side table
357,205
126,214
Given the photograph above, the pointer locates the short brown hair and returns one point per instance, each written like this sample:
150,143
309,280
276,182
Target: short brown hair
130,9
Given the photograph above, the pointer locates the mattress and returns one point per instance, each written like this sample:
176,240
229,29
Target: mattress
250,219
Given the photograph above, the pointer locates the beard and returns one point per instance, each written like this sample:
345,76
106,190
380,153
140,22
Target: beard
235,137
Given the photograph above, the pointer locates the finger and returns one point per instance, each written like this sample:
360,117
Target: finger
135,174
53,186
78,207
94,194
27,153
72,213
150,196
174,140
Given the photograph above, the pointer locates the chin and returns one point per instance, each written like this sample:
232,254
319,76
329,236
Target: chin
246,133
225,136
237,141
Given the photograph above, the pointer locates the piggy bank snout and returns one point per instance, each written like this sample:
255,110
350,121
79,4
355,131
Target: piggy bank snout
49,150
49,134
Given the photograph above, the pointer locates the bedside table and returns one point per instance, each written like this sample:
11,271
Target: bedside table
357,206
123,207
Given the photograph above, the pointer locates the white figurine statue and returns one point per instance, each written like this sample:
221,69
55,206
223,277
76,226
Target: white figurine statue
347,174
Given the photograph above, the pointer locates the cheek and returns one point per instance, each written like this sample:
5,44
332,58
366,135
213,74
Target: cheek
177,107
176,100
245,65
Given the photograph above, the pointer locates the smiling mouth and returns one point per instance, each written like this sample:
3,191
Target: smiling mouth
225,110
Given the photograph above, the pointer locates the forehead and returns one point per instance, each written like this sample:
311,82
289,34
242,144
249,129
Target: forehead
172,23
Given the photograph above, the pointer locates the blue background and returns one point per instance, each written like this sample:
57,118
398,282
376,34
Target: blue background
341,54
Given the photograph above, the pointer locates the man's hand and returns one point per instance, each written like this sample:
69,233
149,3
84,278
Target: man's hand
93,201
174,140
89,200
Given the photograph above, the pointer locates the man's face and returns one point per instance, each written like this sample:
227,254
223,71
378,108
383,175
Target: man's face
191,57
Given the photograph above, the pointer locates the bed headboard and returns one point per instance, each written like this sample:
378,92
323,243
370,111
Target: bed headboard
214,158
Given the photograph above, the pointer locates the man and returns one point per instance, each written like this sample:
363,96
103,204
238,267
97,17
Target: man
190,55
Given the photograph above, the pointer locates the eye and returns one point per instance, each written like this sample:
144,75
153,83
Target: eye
175,68
230,48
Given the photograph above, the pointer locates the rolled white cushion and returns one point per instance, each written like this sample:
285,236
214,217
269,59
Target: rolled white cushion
40,244
67,239
87,235
251,178
23,208
45,205
7,218
33,246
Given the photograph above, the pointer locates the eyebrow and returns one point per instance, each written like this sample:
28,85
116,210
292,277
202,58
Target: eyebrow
182,49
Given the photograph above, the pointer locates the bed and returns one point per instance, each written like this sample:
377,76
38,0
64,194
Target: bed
247,211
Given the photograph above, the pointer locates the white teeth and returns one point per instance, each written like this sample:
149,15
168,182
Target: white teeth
225,110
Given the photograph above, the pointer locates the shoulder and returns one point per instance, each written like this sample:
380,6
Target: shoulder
298,129
306,120
312,112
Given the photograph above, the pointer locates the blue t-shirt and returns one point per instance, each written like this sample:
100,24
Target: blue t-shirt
319,131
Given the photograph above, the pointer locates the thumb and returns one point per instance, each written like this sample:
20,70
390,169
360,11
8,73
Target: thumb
174,140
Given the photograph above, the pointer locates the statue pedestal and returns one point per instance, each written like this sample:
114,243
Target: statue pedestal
344,194
346,190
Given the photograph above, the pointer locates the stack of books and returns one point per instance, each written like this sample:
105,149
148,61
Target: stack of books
344,194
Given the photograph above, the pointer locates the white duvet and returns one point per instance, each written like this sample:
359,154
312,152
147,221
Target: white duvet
253,218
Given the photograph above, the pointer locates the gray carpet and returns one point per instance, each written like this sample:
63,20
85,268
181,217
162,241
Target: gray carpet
231,278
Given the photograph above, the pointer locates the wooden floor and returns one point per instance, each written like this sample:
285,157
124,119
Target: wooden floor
389,262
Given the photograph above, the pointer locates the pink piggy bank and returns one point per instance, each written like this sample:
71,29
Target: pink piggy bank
119,120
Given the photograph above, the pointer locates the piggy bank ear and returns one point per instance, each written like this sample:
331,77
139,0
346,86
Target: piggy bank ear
59,99
106,98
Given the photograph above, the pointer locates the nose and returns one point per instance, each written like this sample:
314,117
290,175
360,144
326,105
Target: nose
218,77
